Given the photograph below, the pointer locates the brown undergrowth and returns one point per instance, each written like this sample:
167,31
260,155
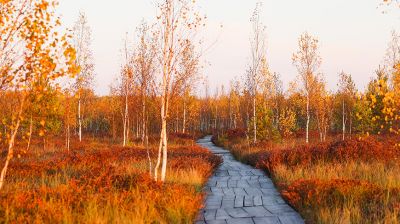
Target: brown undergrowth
351,181
101,183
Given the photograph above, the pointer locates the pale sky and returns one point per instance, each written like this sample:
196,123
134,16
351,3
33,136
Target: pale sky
353,34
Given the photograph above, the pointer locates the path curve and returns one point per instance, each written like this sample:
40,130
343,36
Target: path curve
240,194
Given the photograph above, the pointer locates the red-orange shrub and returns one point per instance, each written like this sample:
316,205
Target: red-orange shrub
234,134
365,150
48,187
309,195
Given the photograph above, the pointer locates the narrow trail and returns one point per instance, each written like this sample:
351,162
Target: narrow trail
240,194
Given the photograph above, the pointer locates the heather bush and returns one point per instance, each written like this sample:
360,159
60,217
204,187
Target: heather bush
101,183
351,181
375,204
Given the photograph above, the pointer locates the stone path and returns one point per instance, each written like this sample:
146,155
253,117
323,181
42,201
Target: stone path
240,194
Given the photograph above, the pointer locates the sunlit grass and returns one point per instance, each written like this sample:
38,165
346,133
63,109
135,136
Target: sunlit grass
188,177
349,182
379,173
109,184
349,210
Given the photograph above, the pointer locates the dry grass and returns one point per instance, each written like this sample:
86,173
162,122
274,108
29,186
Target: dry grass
100,183
356,181
188,177
379,173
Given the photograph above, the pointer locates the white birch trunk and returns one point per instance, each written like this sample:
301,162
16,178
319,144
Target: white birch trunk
184,117
144,129
308,119
254,120
162,150
343,122
79,118
125,128
10,152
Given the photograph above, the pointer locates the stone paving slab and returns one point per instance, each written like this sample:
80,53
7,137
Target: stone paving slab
240,194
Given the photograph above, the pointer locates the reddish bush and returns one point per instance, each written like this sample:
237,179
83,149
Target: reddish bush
234,134
362,150
309,195
57,184
320,201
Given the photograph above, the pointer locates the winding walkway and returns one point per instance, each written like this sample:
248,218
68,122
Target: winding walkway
240,194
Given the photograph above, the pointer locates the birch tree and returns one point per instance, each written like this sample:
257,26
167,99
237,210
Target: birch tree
188,73
391,104
307,61
178,23
32,56
82,43
347,93
69,117
114,106
322,104
144,70
234,104
392,57
257,43
126,89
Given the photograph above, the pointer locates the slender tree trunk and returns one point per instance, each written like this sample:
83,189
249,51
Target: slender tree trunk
308,119
248,124
10,152
162,150
146,143
165,141
149,158
79,118
230,112
343,120
126,117
124,134
160,147
30,133
216,119
10,155
184,117
128,129
254,119
143,119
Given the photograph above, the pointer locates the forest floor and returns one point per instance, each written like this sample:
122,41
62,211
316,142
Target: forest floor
98,182
238,193
351,181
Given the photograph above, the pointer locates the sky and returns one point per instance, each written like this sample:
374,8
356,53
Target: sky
353,35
